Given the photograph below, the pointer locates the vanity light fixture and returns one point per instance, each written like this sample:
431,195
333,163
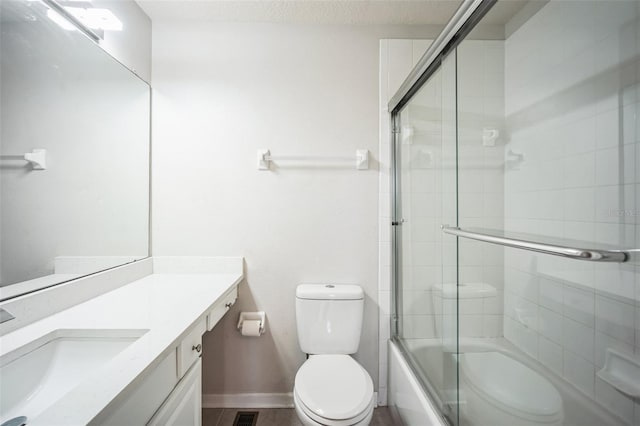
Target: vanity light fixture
96,19
91,21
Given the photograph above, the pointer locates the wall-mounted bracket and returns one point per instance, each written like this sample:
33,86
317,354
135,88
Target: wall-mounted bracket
264,162
37,158
362,159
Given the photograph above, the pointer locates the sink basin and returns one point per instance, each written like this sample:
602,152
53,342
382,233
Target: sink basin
35,376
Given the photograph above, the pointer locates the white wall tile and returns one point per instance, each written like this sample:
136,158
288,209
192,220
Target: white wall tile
577,154
522,284
607,129
616,280
471,325
470,306
551,294
579,305
579,372
491,325
580,204
384,301
579,136
549,325
550,354
578,339
579,170
615,204
494,305
423,326
384,278
616,319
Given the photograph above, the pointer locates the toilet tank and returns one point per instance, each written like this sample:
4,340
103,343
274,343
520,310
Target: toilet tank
329,318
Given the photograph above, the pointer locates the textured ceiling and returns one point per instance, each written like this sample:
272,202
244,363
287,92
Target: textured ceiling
435,12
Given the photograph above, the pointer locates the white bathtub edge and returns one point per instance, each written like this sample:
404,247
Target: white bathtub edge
406,394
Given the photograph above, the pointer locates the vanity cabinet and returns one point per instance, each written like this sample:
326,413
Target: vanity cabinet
139,404
184,405
190,348
171,394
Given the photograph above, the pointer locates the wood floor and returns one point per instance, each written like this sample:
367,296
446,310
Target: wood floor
278,417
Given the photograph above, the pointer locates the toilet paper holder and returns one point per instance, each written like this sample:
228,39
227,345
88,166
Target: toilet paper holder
252,316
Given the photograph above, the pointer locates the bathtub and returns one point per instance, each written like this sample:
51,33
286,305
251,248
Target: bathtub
417,407
407,395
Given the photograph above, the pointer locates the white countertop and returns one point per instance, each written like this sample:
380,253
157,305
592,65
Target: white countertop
165,304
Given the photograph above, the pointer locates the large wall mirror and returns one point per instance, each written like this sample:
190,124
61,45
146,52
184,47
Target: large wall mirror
82,204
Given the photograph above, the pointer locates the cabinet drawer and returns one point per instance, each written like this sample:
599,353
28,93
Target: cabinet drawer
221,308
190,348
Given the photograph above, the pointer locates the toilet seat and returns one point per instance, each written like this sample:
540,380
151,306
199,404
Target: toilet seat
512,386
334,390
309,418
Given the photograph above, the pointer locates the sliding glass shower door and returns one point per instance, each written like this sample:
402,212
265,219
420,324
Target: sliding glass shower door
517,179
426,259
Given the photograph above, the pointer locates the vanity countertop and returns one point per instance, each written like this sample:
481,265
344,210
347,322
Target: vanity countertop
165,304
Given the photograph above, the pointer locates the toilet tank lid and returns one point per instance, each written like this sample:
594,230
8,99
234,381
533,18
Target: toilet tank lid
329,292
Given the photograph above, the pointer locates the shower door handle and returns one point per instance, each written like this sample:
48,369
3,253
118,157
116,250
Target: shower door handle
592,255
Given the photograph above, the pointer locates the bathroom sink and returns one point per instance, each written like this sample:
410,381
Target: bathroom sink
37,375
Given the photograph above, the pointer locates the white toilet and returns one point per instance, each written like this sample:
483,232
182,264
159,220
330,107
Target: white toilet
331,388
500,391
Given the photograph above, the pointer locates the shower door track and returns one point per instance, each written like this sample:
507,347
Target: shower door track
461,23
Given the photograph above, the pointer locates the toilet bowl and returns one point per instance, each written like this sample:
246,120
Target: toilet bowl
333,390
500,391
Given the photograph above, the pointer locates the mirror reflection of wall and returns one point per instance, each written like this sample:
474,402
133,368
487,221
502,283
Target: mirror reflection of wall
89,210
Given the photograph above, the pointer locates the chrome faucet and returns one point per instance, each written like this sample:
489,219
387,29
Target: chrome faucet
5,316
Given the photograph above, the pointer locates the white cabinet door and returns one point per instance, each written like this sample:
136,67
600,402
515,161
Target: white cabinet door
138,405
184,406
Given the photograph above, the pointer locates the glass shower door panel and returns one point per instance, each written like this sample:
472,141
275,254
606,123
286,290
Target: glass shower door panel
445,293
548,146
425,331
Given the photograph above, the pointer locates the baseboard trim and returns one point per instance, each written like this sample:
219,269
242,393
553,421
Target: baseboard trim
252,400
248,400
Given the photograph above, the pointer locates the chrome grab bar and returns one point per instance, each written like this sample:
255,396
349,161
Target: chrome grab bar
592,255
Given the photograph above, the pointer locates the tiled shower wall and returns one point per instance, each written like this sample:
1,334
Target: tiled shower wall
421,198
425,201
480,103
428,155
572,171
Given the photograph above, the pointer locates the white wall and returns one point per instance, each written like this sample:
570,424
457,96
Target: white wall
221,92
571,110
